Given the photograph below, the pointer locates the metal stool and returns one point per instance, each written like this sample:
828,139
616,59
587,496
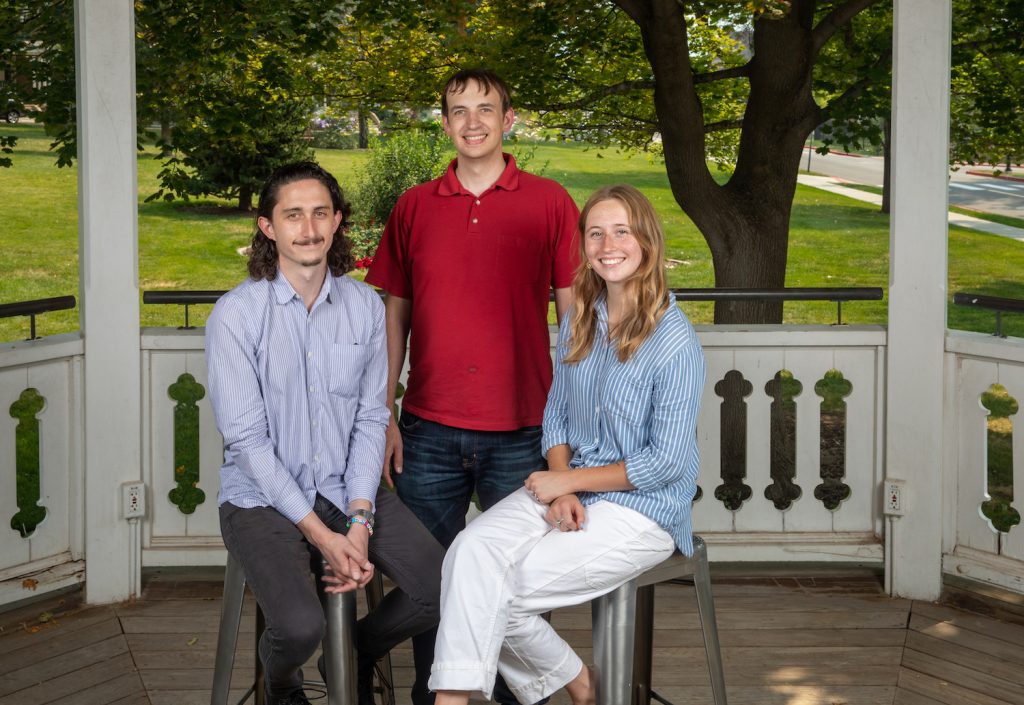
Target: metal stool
338,643
623,626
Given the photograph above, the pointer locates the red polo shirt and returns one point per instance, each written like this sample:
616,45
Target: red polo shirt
479,271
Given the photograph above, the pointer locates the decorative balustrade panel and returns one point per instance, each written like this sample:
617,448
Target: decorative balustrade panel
762,481
790,442
41,507
182,453
988,472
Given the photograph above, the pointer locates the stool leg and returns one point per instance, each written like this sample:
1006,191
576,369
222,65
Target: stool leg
613,632
374,596
708,623
339,648
644,648
227,635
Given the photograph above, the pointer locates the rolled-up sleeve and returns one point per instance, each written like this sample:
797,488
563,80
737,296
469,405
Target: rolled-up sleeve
676,396
556,409
240,411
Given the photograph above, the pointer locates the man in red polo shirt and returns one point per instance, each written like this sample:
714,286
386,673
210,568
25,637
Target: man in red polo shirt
468,262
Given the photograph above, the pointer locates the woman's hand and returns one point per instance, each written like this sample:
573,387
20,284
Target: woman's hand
566,513
548,485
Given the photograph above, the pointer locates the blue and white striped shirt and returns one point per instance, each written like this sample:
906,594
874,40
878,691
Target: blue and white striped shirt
298,396
643,411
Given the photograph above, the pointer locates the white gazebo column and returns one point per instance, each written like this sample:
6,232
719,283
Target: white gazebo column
108,269
917,289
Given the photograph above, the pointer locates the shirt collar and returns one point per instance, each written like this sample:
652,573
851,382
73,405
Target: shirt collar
285,292
508,181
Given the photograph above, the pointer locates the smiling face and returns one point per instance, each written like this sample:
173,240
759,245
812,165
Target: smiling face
302,226
609,244
475,122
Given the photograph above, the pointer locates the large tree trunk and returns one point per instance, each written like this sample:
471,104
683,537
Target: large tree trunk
245,198
746,221
364,130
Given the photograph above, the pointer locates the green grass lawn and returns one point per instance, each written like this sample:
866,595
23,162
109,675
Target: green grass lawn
834,241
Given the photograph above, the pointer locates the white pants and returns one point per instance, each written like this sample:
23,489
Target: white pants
507,568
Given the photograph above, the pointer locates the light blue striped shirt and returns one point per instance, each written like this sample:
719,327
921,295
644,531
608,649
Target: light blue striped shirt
643,411
298,396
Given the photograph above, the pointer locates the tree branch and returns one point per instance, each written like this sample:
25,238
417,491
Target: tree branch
604,92
835,20
856,89
734,72
723,125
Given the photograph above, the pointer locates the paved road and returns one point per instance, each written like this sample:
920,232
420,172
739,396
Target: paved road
982,193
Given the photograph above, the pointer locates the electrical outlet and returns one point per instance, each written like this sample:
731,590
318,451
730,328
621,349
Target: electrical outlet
894,500
133,500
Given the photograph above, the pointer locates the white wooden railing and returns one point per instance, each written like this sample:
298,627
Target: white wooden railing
805,530
50,556
972,546
757,530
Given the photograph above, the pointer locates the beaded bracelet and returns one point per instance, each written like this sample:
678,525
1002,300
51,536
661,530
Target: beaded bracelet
359,520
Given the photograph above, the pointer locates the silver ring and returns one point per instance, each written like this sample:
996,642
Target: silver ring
558,523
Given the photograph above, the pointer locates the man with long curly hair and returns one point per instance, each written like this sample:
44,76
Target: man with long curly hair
297,374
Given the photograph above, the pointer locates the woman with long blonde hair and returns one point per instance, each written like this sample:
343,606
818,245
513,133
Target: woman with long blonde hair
620,441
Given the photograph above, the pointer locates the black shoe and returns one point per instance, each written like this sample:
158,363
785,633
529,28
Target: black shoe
297,697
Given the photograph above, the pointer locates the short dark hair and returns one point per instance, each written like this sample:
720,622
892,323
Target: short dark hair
485,77
263,251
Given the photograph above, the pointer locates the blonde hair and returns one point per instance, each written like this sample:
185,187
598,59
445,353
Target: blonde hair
646,291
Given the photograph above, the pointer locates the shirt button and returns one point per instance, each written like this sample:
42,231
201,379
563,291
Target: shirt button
312,388
316,458
478,201
474,220
309,354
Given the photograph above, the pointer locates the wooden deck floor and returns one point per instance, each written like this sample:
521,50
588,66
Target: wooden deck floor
796,641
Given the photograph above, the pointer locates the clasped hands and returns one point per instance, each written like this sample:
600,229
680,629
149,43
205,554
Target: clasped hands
556,489
348,566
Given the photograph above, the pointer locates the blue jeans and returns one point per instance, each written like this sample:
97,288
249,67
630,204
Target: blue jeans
442,466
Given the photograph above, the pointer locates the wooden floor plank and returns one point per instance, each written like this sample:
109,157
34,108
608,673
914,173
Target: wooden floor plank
963,676
62,665
982,663
909,697
58,628
124,690
34,652
71,683
1012,633
942,690
947,631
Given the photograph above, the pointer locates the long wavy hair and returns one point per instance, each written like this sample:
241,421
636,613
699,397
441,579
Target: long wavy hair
646,290
263,250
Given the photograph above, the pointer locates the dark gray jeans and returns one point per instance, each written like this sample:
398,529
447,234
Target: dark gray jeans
283,570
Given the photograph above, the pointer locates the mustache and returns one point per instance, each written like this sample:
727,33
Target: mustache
316,240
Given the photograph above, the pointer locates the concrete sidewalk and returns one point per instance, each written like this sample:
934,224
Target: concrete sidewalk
833,185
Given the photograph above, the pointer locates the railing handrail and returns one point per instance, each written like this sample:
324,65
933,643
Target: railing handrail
790,293
834,294
29,308
994,303
857,293
34,307
999,304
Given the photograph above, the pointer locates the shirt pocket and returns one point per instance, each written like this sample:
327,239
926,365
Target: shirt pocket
347,365
628,399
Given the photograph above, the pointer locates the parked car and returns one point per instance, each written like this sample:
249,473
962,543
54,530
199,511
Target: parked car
13,111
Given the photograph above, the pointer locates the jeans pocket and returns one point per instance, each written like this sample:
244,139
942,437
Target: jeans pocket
408,422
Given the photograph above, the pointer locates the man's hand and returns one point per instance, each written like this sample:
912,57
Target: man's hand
566,513
346,556
548,485
392,451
